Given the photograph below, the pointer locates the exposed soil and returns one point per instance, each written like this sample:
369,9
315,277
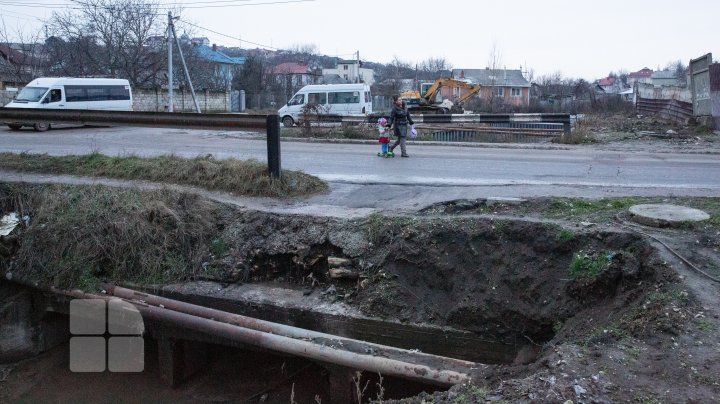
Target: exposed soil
600,309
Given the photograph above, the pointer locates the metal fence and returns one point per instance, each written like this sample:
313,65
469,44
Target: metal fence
676,111
502,132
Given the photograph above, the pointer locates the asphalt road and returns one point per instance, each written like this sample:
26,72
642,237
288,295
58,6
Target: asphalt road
436,172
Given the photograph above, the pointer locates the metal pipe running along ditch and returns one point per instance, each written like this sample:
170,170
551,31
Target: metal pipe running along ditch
299,347
279,329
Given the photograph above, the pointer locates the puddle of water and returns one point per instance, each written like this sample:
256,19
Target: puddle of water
8,223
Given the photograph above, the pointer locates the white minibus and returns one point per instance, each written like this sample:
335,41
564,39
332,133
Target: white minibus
71,93
337,99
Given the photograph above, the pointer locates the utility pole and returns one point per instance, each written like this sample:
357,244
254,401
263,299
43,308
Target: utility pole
170,64
187,73
172,37
357,77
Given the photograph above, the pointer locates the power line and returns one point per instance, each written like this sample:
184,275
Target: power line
228,36
31,3
21,16
190,6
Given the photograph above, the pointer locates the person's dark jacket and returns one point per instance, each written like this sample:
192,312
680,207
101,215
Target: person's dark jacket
400,117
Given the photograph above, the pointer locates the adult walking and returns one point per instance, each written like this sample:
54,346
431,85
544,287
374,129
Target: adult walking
400,117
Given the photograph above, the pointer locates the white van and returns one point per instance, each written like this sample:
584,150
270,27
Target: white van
339,99
71,93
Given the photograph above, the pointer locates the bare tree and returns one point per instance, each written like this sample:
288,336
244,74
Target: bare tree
430,67
253,78
20,61
680,70
110,38
495,61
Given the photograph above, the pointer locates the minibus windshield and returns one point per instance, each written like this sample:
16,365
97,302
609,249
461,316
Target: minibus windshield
31,94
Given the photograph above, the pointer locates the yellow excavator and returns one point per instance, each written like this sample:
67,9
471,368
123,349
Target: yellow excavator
425,104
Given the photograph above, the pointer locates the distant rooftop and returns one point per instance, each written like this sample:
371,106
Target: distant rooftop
489,77
215,55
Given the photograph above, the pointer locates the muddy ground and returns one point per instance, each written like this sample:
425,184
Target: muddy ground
600,309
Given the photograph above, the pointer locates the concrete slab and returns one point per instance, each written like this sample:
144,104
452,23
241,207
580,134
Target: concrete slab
492,200
666,215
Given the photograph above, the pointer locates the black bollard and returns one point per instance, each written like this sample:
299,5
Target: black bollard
273,145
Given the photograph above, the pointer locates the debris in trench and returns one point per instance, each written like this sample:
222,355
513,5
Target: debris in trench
343,273
8,223
338,268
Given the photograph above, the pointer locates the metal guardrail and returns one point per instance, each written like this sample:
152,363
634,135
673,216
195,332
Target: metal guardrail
557,118
501,132
127,118
270,123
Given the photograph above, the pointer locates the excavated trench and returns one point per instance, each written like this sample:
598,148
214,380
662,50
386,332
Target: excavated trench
485,289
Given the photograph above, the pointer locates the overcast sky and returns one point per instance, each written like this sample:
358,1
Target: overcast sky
579,38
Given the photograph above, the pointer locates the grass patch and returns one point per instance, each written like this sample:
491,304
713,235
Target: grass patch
79,235
565,235
470,393
605,335
572,207
631,350
584,265
704,325
242,177
669,296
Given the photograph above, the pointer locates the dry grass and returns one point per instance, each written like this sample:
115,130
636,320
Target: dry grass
78,235
242,177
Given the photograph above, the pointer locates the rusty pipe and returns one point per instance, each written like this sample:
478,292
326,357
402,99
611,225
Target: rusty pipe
306,349
274,328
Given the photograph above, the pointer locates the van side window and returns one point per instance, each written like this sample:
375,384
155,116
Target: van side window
55,95
75,93
317,98
298,99
347,97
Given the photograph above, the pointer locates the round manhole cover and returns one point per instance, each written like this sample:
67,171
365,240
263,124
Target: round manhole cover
661,215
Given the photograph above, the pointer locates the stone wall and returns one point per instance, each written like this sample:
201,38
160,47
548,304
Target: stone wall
649,91
157,100
715,94
152,100
6,96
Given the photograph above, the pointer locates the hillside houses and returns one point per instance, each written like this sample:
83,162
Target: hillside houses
509,86
351,71
641,76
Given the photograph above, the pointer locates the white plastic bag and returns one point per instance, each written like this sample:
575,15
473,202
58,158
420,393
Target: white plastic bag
413,132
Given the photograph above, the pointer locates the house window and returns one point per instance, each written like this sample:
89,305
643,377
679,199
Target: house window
500,92
345,76
345,67
298,80
515,92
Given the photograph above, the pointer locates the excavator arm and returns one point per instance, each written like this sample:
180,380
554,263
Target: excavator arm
472,90
427,101
439,83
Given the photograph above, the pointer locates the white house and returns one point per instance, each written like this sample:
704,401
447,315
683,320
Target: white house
352,71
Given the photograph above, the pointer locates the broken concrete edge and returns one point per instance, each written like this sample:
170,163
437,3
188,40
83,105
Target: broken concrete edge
465,205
